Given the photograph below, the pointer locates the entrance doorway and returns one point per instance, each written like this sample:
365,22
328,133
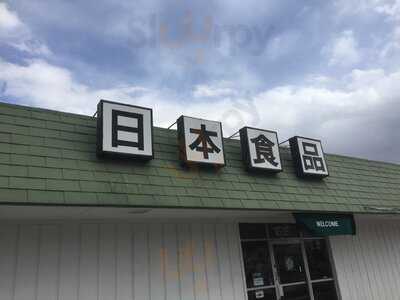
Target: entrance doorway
292,267
290,271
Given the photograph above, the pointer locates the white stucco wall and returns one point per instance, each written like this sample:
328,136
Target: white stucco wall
368,264
120,261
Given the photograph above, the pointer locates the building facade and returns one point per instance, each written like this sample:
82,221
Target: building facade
80,226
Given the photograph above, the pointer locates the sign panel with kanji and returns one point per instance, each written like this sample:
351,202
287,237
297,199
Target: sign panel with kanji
260,149
308,157
200,141
124,130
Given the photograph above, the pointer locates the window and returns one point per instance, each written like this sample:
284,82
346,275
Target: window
289,263
324,290
261,294
251,231
280,263
318,259
257,264
319,265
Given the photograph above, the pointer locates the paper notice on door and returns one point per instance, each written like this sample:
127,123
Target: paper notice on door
259,294
258,281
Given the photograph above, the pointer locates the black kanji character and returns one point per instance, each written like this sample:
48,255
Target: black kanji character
116,128
311,158
264,149
203,141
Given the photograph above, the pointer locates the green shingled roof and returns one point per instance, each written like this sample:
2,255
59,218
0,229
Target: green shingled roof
49,157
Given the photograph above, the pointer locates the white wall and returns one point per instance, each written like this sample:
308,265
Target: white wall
172,261
120,261
368,264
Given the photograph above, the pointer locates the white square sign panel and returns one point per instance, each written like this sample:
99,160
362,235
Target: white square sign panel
200,141
308,157
125,130
260,149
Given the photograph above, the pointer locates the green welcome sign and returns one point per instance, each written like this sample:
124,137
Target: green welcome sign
326,224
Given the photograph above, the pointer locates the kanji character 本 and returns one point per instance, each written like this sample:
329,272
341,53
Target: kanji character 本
203,143
264,150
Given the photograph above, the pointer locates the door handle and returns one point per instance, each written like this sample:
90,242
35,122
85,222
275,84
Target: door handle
281,293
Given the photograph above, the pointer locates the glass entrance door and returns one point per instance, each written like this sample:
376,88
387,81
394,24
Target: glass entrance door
282,265
290,270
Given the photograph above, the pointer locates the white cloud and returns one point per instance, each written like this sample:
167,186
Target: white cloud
344,50
8,19
14,33
392,46
359,79
366,101
220,89
385,45
320,80
282,44
388,8
41,84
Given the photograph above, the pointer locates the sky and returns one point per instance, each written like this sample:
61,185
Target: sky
328,70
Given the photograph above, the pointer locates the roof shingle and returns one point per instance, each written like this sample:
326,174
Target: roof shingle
49,157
